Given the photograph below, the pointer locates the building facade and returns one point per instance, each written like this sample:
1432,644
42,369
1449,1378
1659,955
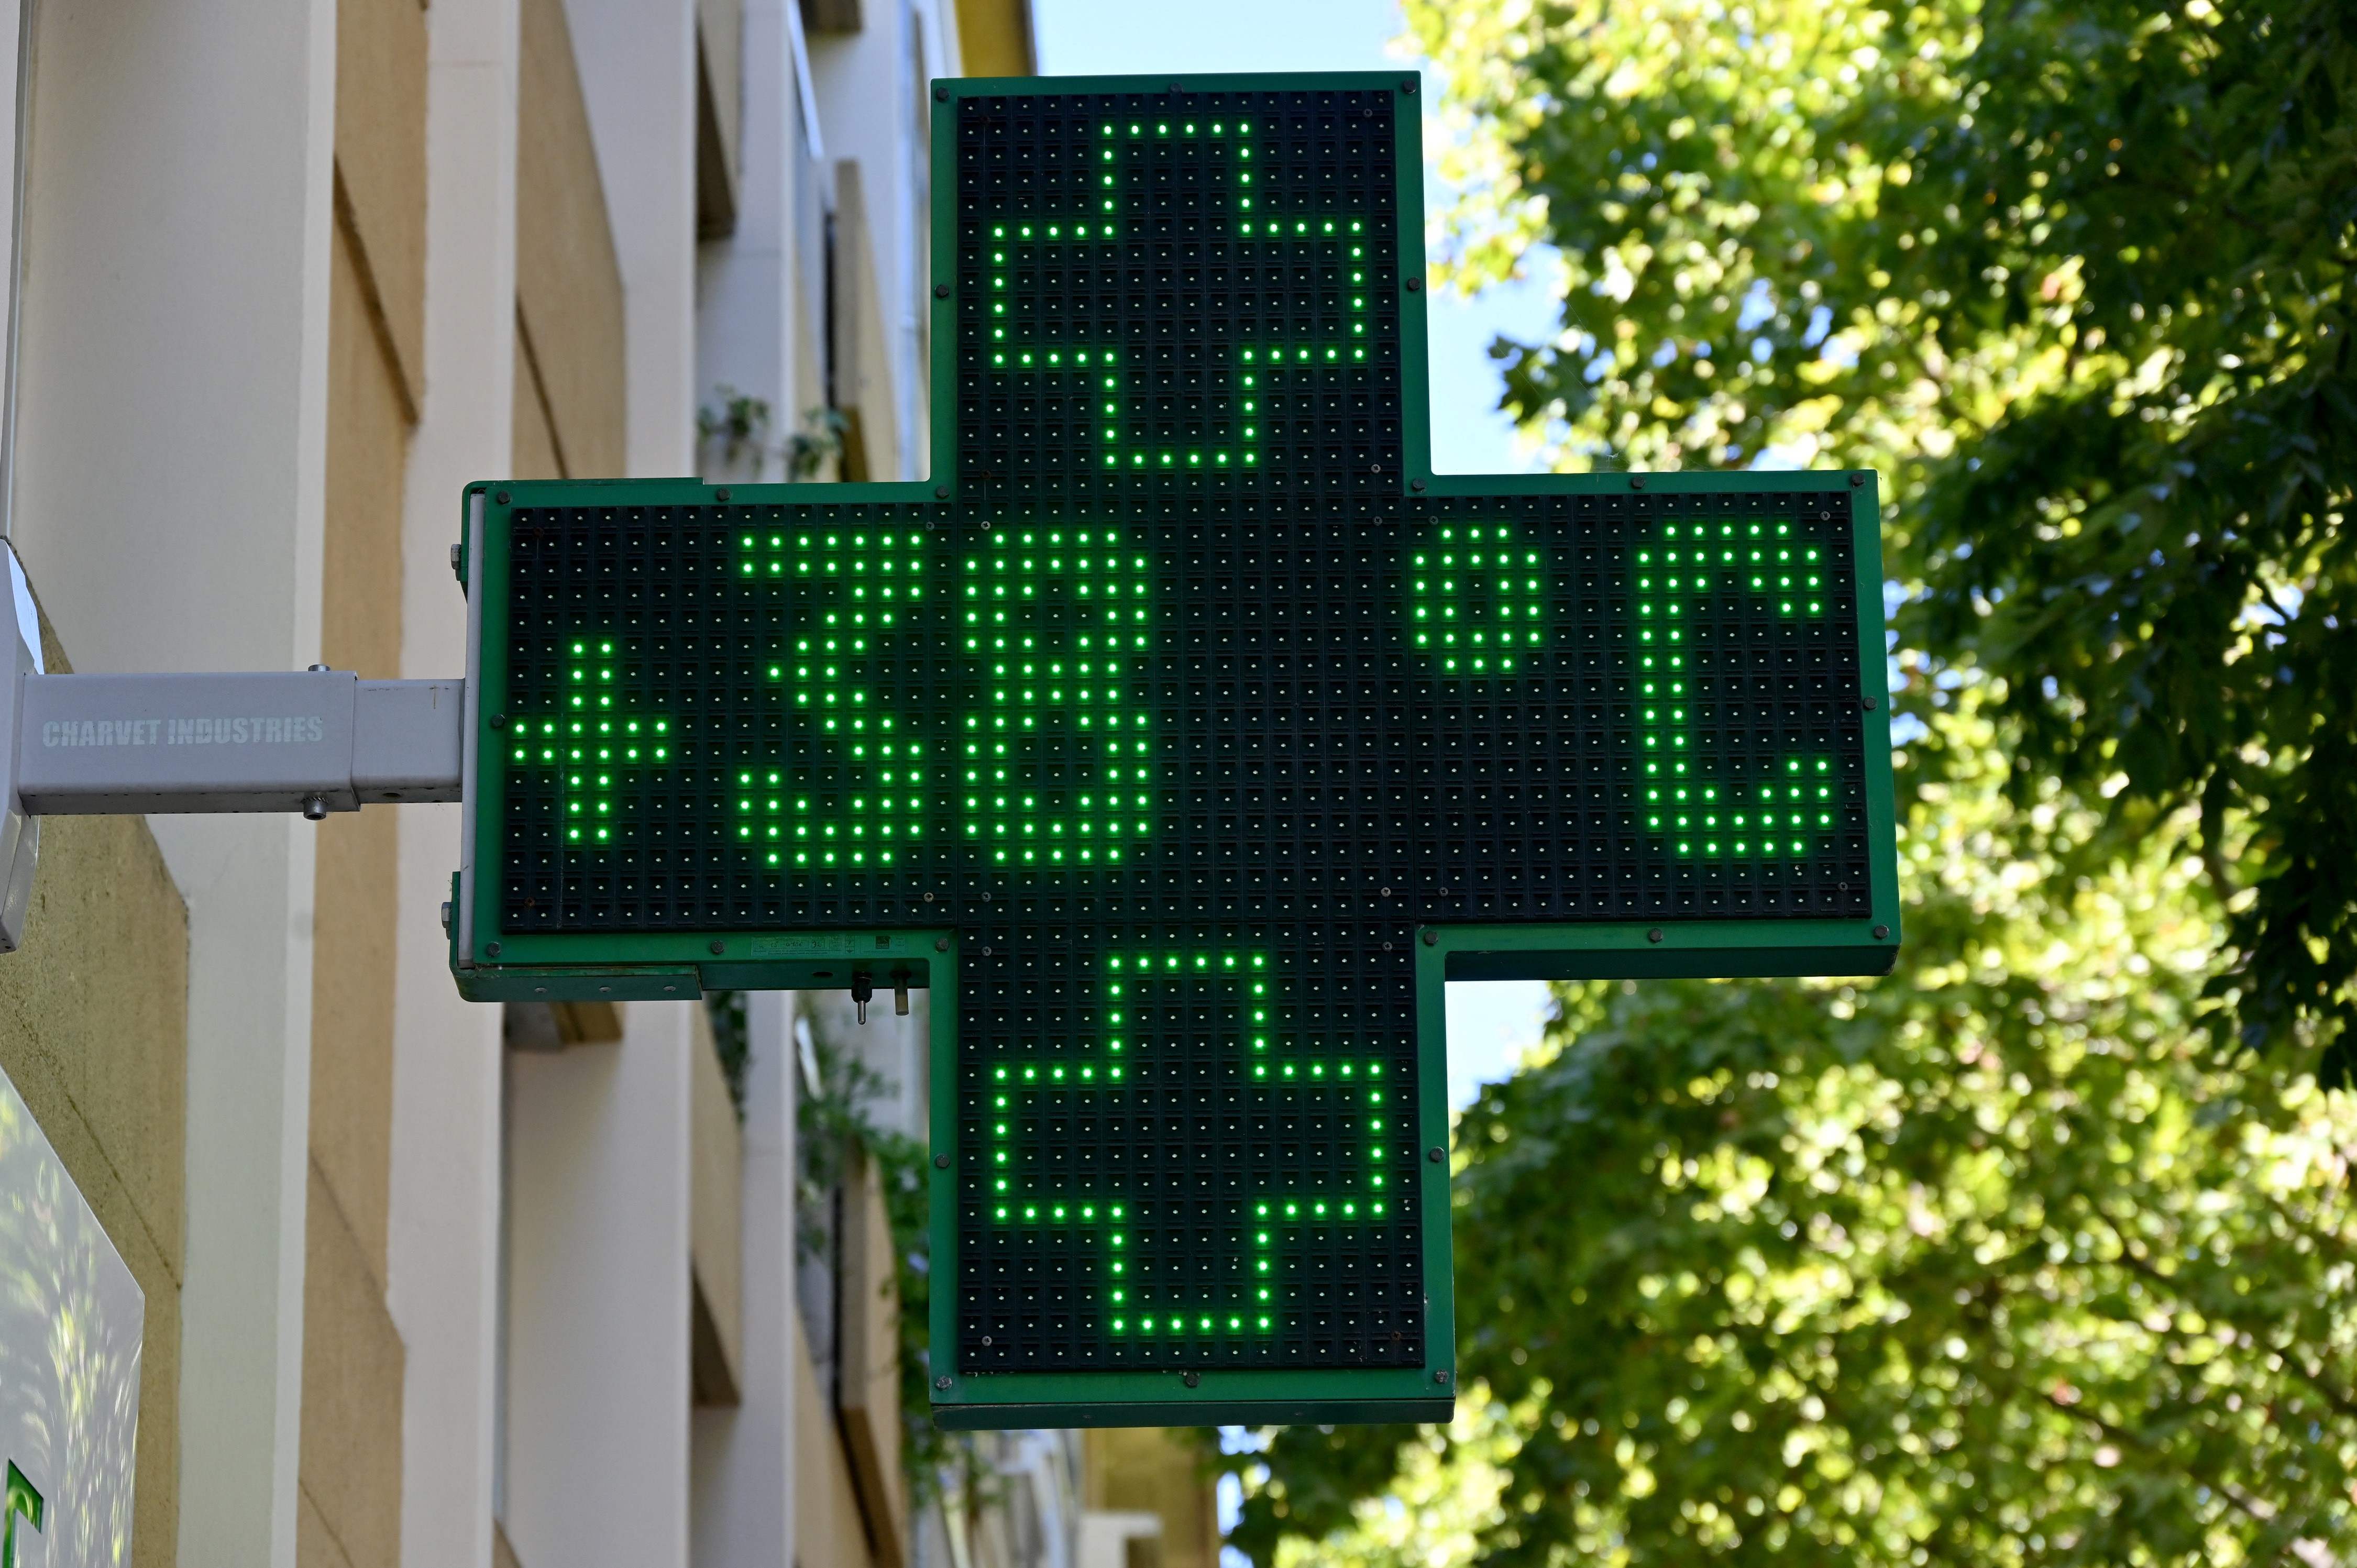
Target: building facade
432,1284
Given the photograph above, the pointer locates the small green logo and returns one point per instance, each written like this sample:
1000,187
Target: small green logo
22,1499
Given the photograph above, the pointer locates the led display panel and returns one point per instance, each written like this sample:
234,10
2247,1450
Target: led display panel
1182,735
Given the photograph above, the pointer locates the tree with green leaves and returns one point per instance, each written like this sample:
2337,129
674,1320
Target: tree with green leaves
2074,277
2033,1252
1992,1261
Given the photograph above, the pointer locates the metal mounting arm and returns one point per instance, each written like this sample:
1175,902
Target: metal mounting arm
316,741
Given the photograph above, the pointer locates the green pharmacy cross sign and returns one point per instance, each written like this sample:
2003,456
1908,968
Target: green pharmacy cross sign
1183,734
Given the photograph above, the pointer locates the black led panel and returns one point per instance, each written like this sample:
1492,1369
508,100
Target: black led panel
1197,728
1266,744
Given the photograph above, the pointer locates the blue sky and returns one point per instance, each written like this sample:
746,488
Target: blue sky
1489,1025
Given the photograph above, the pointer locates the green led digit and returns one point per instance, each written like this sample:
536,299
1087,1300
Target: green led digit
594,748
1475,596
1135,1303
873,584
1701,816
1091,361
1058,760
1261,363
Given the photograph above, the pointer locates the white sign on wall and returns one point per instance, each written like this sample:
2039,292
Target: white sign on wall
70,1318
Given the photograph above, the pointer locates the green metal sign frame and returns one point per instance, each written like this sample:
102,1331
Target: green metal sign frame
492,965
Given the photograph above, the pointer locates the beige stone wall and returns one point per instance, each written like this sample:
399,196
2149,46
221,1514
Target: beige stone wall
719,115
351,1038
862,373
995,37
534,454
1146,1470
349,1460
827,1526
380,170
568,284
349,1467
569,400
868,1378
715,1225
94,1032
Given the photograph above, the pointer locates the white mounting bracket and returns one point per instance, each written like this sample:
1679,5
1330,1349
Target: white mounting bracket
316,741
20,833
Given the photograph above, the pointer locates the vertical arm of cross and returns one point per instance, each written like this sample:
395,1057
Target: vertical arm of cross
1095,367
1276,1083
